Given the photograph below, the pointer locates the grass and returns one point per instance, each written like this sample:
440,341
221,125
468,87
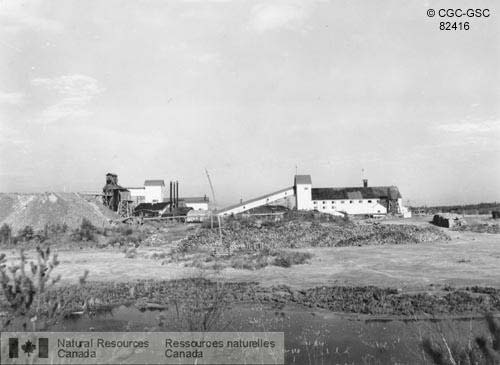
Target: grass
446,347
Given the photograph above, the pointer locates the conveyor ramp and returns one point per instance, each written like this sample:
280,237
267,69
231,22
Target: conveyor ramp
257,202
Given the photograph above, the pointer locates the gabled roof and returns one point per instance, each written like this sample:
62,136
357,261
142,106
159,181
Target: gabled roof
375,192
302,179
154,183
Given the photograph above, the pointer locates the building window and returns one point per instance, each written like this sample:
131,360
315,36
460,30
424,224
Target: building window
360,201
369,201
324,202
342,202
350,202
324,207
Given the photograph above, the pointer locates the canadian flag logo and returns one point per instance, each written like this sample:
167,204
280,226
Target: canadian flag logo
29,348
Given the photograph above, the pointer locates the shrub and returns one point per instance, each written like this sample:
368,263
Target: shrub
282,261
22,286
58,228
5,234
131,253
86,232
287,259
26,233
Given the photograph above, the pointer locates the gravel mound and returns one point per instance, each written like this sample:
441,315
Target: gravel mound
37,210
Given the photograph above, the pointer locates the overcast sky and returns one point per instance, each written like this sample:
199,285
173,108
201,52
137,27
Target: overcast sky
249,90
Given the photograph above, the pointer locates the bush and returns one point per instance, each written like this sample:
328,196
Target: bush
86,232
58,228
26,233
22,284
287,259
5,234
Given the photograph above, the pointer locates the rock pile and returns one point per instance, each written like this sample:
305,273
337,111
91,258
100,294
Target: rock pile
297,234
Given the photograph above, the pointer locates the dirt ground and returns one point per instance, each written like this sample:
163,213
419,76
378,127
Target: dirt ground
468,259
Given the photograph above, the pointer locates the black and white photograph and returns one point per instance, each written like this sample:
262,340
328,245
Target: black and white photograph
250,182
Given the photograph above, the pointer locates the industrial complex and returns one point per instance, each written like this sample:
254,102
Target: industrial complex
155,198
363,200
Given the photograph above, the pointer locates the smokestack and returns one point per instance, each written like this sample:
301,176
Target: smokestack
170,196
176,194
365,183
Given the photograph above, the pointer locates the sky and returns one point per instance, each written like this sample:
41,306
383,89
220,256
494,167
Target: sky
252,91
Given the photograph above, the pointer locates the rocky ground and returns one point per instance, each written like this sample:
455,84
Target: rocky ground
301,234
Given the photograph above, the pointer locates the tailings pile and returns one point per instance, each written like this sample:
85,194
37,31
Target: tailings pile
39,210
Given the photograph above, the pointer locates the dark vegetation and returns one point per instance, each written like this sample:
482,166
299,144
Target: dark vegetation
374,300
363,300
86,233
481,208
479,350
479,228
247,259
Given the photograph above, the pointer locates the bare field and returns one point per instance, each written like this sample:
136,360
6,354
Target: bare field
467,259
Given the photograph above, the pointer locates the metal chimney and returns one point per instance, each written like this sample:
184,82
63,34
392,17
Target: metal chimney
170,196
176,194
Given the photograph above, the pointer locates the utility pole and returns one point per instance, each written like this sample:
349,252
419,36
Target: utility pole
215,205
211,186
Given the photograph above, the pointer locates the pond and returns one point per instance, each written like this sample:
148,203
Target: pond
311,336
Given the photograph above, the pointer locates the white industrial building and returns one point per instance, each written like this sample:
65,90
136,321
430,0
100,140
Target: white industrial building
196,203
137,194
155,191
363,200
